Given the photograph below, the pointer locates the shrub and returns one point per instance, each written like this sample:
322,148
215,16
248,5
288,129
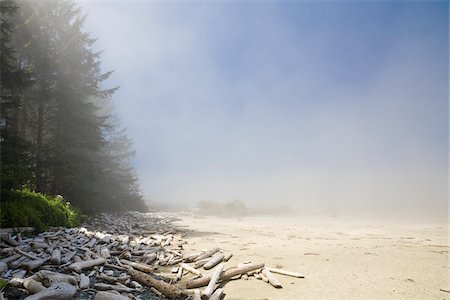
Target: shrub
25,208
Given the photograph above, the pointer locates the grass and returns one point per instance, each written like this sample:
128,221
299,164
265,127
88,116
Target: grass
23,208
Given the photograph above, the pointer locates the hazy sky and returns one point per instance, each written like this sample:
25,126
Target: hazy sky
303,102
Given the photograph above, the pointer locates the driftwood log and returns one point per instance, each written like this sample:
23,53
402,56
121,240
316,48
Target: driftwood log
78,266
213,261
202,281
166,289
109,295
217,294
284,272
58,291
212,283
272,279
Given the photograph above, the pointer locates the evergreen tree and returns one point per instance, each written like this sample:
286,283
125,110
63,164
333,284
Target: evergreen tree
72,149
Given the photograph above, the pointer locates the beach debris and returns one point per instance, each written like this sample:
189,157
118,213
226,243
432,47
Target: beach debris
119,257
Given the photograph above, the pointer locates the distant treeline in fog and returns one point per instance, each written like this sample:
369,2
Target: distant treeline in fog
58,133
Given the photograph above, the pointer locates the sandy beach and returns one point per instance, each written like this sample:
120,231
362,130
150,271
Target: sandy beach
340,258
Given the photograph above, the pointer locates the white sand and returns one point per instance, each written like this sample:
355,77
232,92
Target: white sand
341,259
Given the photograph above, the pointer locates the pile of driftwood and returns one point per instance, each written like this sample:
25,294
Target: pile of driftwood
118,257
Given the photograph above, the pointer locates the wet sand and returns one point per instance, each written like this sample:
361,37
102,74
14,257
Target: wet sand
340,258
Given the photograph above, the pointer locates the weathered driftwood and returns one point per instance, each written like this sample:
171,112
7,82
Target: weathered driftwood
56,257
200,263
104,252
202,281
190,257
212,283
271,278
84,281
39,245
115,287
34,264
8,239
17,278
207,254
49,278
190,269
58,291
78,266
227,256
264,278
33,286
166,289
109,295
112,279
284,272
23,253
11,258
213,261
217,294
138,266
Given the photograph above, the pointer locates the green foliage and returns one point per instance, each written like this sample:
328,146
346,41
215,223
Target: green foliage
58,135
25,208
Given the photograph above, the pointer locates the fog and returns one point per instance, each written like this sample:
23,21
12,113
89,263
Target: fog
314,105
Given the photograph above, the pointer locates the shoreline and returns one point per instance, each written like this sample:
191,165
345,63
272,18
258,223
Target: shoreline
341,258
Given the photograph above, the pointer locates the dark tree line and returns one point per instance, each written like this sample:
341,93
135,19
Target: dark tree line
58,135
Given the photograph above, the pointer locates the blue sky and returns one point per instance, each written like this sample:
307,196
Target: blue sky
310,103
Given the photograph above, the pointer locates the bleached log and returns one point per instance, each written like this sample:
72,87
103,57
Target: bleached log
284,272
58,291
213,261
212,283
200,263
68,256
18,278
179,274
217,294
148,258
190,257
34,264
84,281
190,269
166,289
264,278
227,257
135,285
202,281
11,258
109,295
49,278
39,245
8,239
115,287
33,286
207,254
91,243
18,262
112,279
104,252
78,266
26,254
56,257
138,266
272,279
